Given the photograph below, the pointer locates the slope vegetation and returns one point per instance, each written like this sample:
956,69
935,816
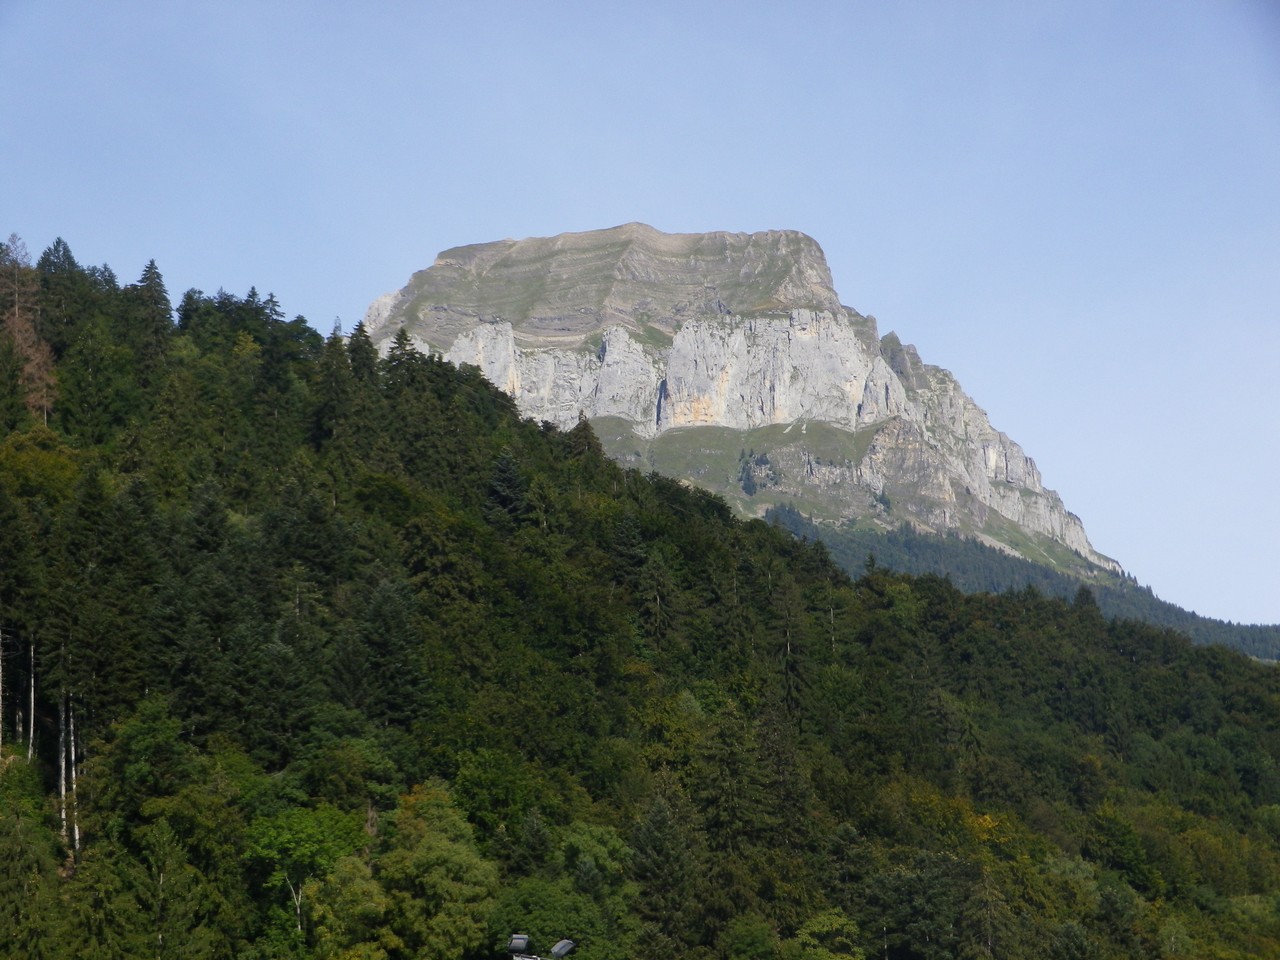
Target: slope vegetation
974,567
311,653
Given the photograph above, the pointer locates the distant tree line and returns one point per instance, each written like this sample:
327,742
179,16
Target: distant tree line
975,567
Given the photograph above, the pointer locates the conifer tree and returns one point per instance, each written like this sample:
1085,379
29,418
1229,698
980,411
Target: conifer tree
100,915
334,389
13,408
364,359
403,366
148,320
99,388
68,296
28,878
664,863
506,505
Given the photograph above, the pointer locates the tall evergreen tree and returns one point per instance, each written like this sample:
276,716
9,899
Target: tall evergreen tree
335,391
665,865
99,389
13,407
28,861
364,359
68,296
148,321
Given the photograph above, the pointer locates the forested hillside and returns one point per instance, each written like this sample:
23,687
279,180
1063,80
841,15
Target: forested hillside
974,567
309,652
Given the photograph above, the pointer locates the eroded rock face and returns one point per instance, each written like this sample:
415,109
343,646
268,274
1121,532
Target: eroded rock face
560,291
750,372
740,331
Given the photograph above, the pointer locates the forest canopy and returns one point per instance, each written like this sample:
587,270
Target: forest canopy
313,652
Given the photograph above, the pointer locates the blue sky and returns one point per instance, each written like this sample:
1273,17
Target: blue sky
1075,207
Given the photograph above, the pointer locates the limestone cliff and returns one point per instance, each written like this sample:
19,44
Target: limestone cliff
687,350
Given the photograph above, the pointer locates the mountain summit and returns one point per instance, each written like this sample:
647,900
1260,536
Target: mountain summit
565,288
728,359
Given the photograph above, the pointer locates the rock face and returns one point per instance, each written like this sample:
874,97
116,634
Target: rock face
688,349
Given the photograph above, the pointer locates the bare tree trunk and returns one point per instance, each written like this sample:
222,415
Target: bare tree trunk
17,703
71,762
831,615
31,704
295,894
62,763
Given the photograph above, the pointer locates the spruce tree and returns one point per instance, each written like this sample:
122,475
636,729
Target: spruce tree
148,321
13,407
67,296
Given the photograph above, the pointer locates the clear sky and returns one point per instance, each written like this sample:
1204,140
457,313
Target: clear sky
1074,207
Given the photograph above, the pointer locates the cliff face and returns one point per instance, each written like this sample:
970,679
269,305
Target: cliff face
689,349
559,291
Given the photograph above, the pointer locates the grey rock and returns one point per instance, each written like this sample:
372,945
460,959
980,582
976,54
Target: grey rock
740,336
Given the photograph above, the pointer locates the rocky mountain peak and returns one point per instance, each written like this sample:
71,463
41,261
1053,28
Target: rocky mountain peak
726,358
565,289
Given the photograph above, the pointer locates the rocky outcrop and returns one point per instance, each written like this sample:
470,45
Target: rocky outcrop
560,291
739,331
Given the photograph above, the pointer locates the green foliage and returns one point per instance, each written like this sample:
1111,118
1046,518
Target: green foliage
28,859
99,389
748,937
361,665
300,843
13,407
441,889
101,914
828,935
974,567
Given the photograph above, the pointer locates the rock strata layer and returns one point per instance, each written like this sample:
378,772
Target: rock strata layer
737,334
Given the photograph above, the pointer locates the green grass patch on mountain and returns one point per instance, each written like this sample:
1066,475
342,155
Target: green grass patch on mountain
1036,548
712,456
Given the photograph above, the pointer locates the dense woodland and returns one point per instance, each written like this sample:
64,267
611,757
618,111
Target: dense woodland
309,652
975,567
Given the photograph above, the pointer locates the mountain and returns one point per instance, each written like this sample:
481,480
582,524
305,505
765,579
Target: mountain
728,359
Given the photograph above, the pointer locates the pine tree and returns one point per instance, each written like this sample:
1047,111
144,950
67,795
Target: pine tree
730,794
403,367
664,863
99,389
13,408
148,321
334,389
364,359
180,906
365,429
69,295
28,881
506,505
100,915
